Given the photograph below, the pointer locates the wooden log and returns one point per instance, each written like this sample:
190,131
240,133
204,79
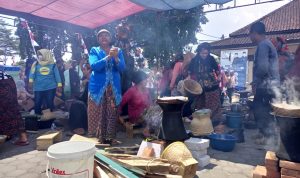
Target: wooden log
113,165
260,172
271,160
163,176
48,139
289,165
149,165
136,170
110,172
76,137
130,130
283,176
123,150
289,172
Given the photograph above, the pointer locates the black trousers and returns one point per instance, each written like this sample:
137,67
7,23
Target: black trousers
44,98
261,109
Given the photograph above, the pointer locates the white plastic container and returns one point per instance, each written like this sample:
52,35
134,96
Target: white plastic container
71,159
203,161
199,153
197,144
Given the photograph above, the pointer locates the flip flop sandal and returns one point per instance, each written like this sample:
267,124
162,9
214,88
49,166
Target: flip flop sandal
79,131
21,143
8,138
115,142
70,134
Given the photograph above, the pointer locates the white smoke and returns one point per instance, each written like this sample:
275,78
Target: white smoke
288,92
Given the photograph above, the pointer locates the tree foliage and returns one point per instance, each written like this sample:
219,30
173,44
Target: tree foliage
160,34
8,43
164,33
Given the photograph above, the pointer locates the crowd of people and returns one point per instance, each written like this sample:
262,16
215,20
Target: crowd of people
99,101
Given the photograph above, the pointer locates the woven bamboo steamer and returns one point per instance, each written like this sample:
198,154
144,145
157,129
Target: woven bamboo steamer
177,153
192,88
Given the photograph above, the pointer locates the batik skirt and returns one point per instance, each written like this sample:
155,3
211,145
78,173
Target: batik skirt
102,118
10,117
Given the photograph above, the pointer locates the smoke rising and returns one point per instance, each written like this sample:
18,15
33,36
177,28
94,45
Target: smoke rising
288,92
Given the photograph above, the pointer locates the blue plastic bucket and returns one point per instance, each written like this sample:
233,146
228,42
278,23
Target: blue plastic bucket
234,120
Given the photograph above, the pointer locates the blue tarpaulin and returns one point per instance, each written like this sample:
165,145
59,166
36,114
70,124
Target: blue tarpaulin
10,68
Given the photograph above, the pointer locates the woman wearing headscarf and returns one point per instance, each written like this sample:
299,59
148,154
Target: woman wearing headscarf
45,79
204,69
106,63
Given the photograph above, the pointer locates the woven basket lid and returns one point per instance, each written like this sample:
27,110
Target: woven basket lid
176,152
193,87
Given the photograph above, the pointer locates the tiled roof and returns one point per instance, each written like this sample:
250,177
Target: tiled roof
285,18
283,22
245,41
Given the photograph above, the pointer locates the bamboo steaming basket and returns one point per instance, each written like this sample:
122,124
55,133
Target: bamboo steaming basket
192,88
177,153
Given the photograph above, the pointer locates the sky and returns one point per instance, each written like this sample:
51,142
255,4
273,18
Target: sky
228,21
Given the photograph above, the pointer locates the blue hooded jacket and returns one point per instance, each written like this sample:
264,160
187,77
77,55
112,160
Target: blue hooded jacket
105,72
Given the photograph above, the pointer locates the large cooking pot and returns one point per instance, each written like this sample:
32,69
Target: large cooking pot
289,138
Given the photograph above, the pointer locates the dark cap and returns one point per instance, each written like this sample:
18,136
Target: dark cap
258,27
139,76
179,57
202,46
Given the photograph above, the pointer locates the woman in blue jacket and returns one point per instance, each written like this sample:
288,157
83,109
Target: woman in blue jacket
106,63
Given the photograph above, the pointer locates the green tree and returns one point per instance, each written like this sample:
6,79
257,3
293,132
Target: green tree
164,33
161,34
8,43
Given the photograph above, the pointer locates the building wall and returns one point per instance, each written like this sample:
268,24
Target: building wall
251,52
